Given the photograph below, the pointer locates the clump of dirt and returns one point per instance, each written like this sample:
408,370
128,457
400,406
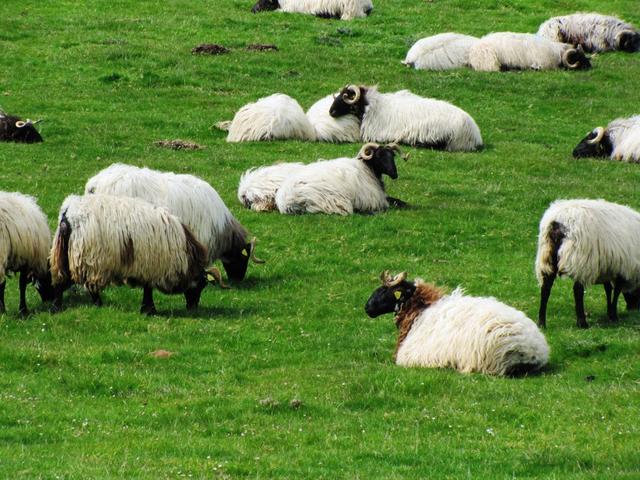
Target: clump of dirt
162,354
210,49
178,145
262,47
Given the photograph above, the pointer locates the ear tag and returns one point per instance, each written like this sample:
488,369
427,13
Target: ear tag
244,252
210,278
397,294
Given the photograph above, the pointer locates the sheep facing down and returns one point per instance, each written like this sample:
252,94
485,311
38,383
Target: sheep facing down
258,186
104,239
338,9
14,129
440,52
193,201
469,334
329,129
276,117
620,140
591,242
25,241
592,31
341,186
403,117
524,51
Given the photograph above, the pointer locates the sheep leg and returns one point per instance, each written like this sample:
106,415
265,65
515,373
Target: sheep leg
607,290
24,279
578,296
397,203
2,307
545,292
613,310
632,299
56,305
95,298
147,302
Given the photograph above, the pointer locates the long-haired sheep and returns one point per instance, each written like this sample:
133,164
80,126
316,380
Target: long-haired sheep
338,9
593,31
193,201
258,186
523,51
104,239
341,186
404,117
14,129
469,334
620,140
276,117
440,52
25,240
591,242
329,129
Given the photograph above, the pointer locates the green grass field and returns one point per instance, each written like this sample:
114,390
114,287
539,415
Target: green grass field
80,396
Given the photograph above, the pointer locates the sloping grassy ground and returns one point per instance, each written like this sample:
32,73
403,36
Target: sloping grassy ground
81,398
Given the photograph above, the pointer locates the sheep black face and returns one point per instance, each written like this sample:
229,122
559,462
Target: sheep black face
390,297
265,5
350,100
575,59
628,41
13,129
380,159
236,260
595,144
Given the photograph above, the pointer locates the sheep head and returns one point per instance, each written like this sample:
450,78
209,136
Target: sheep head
381,159
575,59
390,297
265,5
628,41
595,144
14,129
236,260
350,100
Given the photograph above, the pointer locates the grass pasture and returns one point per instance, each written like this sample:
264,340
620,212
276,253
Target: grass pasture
80,397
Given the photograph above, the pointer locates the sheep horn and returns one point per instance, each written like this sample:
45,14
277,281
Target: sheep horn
396,148
20,124
37,121
387,281
253,249
620,35
356,94
366,152
217,276
565,59
598,137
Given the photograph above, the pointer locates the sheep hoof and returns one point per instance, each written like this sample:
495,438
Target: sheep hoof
23,312
148,310
583,324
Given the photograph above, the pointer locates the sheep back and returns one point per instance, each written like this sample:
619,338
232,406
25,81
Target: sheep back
343,9
444,51
258,186
624,134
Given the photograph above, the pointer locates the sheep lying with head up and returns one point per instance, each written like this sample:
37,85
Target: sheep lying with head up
404,117
338,9
25,240
440,52
14,129
258,186
103,239
589,241
341,186
194,202
524,51
329,129
469,334
593,32
620,140
276,117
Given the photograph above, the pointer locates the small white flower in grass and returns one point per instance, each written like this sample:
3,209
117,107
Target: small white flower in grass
491,432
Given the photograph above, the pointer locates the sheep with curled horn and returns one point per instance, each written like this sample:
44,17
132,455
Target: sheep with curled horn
14,129
469,334
342,186
620,140
406,118
343,129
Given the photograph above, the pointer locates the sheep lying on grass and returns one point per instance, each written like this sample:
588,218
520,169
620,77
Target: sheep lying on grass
338,9
329,129
14,129
258,186
440,52
620,140
469,334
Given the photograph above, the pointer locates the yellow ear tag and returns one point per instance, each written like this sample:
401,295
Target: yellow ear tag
244,252
210,277
397,294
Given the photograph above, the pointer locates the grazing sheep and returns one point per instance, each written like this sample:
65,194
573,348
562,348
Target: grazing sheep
25,240
619,141
14,129
589,241
524,51
404,117
469,334
341,186
338,9
440,52
329,129
276,117
593,32
193,201
104,239
258,186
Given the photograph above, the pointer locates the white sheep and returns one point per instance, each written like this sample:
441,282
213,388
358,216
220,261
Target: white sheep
191,199
276,117
593,31
339,9
404,117
524,51
329,129
258,186
25,240
469,334
620,140
104,239
440,52
591,242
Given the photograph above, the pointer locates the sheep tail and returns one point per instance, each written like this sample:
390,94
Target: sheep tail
549,243
60,272
224,126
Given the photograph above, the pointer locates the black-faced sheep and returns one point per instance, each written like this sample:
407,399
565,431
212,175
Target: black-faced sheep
345,128
591,242
440,52
620,140
404,117
469,334
14,129
338,9
593,31
523,51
